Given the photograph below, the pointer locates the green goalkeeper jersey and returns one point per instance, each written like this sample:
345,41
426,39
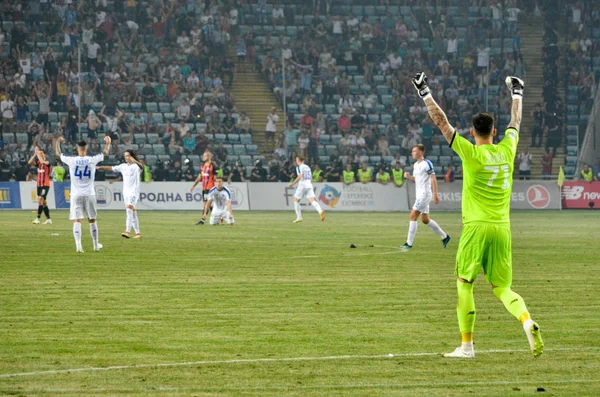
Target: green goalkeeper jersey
487,178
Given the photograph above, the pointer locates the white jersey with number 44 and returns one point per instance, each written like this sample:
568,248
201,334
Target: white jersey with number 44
422,170
305,174
131,178
82,170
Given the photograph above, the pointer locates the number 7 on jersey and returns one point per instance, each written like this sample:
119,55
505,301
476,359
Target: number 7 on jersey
495,171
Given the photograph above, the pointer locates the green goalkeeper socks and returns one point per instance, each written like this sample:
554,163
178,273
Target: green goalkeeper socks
466,307
513,302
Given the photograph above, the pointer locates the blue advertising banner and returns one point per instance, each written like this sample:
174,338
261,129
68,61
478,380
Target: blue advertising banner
62,194
10,195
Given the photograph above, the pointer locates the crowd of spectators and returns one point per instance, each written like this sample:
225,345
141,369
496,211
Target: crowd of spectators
152,73
155,76
347,73
582,72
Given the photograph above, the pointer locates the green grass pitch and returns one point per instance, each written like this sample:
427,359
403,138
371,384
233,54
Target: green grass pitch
271,308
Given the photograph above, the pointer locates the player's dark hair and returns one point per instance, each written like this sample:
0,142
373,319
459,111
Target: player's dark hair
82,144
219,177
43,151
132,154
300,157
483,124
421,147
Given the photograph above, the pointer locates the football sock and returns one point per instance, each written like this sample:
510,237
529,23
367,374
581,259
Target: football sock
298,210
465,309
412,230
135,222
129,218
317,206
77,234
94,233
436,228
46,212
513,303
40,210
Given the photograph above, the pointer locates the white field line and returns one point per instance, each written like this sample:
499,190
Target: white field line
273,360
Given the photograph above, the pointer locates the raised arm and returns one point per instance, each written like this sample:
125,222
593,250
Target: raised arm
435,112
107,146
31,160
57,150
515,85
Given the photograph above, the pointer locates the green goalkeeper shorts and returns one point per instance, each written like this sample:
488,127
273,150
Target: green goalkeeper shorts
486,245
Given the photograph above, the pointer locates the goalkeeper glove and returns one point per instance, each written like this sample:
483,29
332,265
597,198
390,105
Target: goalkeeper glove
515,85
420,83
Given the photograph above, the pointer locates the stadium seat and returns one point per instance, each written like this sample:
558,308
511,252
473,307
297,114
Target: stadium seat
252,149
147,149
164,107
139,138
159,149
152,138
246,160
220,138
152,107
246,139
239,149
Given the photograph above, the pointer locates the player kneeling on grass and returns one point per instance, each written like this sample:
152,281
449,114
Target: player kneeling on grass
131,170
82,170
220,198
305,188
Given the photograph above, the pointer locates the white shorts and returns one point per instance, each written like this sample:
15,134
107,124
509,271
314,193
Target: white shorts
304,190
131,200
83,207
216,216
422,204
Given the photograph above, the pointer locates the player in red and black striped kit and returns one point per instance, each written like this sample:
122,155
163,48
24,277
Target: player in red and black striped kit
207,176
44,171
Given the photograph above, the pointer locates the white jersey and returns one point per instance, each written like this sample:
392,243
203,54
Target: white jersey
219,198
131,178
422,171
305,175
83,173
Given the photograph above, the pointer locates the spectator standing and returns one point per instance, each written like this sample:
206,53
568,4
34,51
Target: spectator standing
7,107
271,128
537,133
524,164
546,162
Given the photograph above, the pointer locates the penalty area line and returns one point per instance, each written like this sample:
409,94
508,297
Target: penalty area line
270,360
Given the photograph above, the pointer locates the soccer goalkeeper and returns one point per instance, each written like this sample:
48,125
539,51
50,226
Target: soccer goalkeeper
486,237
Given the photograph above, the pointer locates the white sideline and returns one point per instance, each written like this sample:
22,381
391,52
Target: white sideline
271,360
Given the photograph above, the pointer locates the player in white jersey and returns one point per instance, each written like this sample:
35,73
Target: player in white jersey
131,170
82,170
220,198
305,188
426,190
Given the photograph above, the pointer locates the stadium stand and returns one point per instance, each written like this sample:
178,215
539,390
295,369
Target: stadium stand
146,66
